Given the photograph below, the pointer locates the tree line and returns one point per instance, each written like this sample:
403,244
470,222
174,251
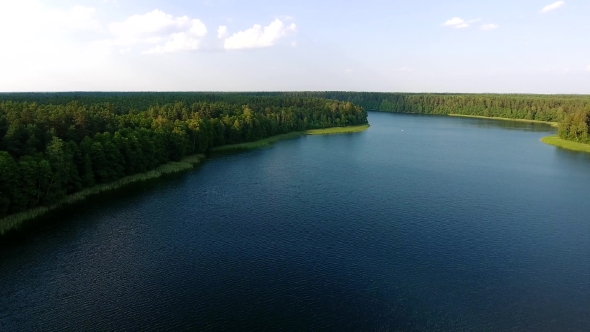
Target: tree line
575,127
572,112
52,145
552,108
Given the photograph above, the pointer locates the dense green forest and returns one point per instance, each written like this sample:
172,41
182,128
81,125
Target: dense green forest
55,144
574,127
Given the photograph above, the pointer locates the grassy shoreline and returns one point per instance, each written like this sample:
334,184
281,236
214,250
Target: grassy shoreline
565,144
16,220
260,143
553,124
273,139
338,130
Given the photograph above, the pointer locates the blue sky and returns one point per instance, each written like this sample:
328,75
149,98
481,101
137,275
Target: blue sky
502,46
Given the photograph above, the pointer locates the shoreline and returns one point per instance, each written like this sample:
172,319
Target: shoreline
273,139
14,221
338,130
258,144
565,144
552,124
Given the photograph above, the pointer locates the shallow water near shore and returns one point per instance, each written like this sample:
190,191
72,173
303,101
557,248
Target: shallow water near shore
418,223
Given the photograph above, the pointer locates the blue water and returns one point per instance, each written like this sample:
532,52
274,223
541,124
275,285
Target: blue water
421,223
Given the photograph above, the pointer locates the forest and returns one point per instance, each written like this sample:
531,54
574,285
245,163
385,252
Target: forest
56,144
553,108
572,112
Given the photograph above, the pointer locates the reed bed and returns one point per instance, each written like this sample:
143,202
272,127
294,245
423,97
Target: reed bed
273,139
338,130
258,144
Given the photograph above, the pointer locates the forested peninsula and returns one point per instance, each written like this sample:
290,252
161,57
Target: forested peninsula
60,146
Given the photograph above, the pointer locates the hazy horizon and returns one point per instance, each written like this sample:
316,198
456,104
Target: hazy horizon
294,91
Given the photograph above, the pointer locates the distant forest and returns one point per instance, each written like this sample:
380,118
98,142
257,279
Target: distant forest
55,144
572,112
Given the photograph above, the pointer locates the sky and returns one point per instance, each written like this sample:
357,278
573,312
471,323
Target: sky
471,46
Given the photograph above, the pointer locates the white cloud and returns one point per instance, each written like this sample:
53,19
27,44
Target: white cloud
588,68
182,41
258,37
156,27
490,26
222,32
405,69
454,22
459,23
553,6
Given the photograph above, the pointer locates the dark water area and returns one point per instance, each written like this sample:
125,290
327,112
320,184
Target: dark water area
421,223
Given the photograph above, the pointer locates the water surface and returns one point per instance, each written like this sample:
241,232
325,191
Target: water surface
419,223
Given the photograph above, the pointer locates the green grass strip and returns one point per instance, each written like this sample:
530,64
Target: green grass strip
553,124
566,144
258,144
273,139
337,130
16,220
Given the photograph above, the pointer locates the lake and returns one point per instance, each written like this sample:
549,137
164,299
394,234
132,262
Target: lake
419,223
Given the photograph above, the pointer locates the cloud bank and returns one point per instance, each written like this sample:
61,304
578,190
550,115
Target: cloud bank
167,33
74,31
